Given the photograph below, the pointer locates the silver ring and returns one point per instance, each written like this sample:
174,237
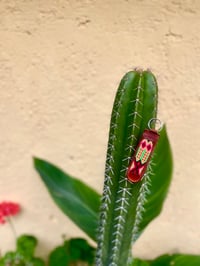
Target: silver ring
156,121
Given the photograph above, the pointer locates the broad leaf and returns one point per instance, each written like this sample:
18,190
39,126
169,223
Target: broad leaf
163,260
26,245
176,260
60,256
186,260
169,260
80,250
77,200
138,262
71,252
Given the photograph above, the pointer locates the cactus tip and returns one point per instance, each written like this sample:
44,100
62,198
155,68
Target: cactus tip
138,69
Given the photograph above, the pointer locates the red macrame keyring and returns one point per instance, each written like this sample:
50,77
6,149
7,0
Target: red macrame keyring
144,150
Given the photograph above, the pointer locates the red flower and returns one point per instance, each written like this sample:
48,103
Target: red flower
2,220
8,209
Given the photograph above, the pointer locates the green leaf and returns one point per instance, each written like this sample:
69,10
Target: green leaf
80,250
170,260
138,262
163,260
77,200
161,168
59,256
176,260
37,262
186,260
72,251
24,254
8,258
26,245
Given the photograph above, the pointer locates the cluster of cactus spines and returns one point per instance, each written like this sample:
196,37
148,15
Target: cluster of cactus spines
142,198
122,202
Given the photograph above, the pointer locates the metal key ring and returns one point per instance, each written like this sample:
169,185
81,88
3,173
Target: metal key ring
156,121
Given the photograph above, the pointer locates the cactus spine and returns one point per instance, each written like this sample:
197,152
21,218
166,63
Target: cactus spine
122,202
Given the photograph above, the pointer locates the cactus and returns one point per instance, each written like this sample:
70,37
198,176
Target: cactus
123,202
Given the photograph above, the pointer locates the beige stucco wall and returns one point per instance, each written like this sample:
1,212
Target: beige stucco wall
60,65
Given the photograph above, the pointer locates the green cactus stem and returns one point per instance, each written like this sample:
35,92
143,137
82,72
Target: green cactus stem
122,202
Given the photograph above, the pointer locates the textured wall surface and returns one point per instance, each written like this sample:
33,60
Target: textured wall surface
60,65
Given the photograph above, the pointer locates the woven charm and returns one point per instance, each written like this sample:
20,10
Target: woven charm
142,155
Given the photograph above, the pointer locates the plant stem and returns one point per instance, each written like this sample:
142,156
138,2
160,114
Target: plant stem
9,220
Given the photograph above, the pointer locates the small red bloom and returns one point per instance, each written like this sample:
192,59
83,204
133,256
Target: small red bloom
8,209
2,220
